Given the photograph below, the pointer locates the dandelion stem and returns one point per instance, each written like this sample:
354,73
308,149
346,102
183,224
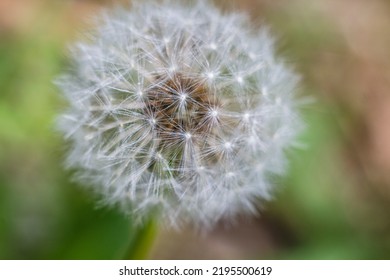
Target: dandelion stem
141,241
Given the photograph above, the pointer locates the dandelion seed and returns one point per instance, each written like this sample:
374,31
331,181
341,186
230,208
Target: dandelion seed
213,46
210,75
214,113
179,108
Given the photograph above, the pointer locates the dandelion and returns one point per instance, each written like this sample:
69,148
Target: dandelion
181,110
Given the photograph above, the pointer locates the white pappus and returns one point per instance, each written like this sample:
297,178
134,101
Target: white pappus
180,110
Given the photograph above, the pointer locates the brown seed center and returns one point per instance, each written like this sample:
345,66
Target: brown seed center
180,106
182,109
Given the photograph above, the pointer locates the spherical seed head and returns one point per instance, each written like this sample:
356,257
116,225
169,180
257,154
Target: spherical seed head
181,109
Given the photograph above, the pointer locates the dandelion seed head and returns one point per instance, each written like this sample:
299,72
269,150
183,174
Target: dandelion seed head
179,108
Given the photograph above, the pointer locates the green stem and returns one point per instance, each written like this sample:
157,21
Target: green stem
141,241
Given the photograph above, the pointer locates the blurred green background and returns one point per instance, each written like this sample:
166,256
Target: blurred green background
333,204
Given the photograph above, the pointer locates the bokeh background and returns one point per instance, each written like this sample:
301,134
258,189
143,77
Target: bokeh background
334,202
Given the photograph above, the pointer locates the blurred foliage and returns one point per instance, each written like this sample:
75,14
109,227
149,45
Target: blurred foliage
324,210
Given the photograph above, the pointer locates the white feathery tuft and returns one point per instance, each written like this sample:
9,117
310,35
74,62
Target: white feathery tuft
180,109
